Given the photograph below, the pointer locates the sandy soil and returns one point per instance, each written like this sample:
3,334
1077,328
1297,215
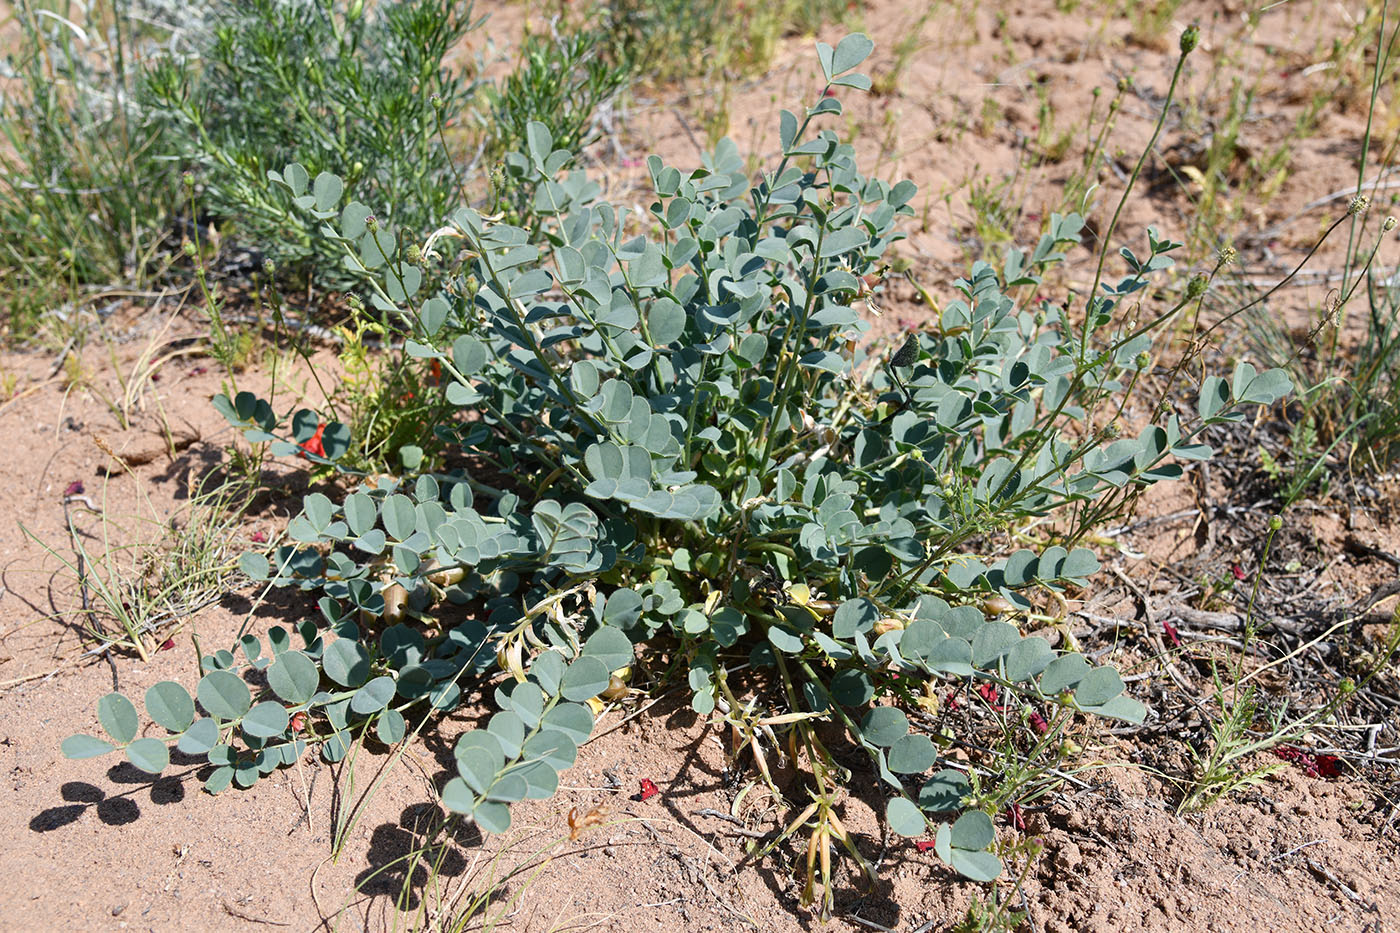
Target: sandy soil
95,846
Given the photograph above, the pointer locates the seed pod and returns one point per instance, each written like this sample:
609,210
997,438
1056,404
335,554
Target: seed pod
994,606
888,625
448,577
394,598
615,690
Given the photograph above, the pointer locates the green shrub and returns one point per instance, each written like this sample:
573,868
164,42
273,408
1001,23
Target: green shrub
562,81
674,440
679,39
83,197
336,85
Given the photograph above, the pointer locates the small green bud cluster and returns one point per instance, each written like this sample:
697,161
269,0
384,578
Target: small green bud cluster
1190,38
908,354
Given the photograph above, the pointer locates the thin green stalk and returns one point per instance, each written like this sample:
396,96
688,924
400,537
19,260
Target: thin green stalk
1188,42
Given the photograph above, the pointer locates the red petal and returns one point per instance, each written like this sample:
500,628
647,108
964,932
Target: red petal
1173,635
649,790
923,845
74,488
167,644
313,445
1328,766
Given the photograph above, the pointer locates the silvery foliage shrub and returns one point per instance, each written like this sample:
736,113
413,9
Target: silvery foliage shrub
329,83
674,439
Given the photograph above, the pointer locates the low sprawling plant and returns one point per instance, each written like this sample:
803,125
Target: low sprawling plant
328,84
671,436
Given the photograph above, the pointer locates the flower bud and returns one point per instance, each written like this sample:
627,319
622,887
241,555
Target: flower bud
1143,360
1389,224
908,354
1190,38
1358,205
187,178
269,268
1197,286
1275,523
413,254
189,249
371,223
1228,254
437,101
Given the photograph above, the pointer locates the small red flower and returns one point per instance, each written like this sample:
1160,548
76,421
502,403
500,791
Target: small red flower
988,692
298,722
1016,819
155,377
829,92
1328,766
74,488
649,789
952,699
258,537
1173,635
1324,766
167,644
198,371
923,845
435,372
1038,723
313,445
1238,571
